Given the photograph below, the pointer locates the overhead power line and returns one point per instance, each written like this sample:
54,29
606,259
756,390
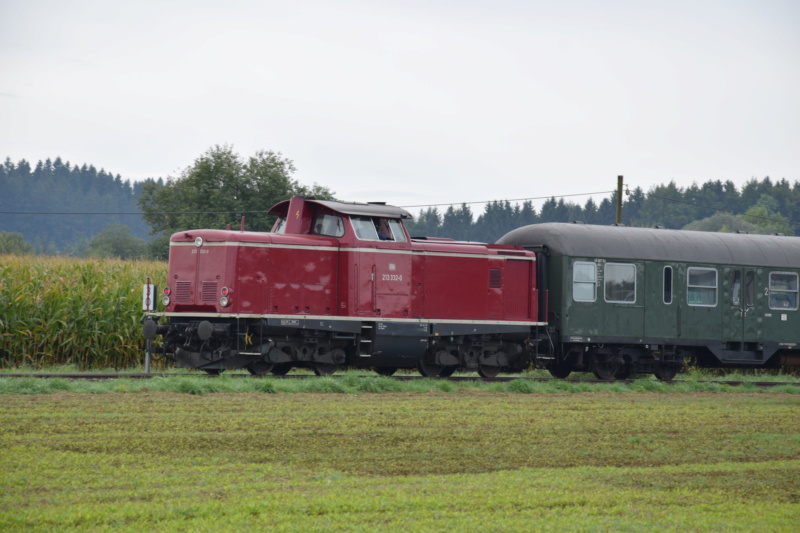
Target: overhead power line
509,200
106,213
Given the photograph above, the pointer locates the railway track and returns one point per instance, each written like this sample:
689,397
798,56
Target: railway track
97,376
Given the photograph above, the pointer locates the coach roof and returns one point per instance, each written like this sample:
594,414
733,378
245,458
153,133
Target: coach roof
619,242
350,208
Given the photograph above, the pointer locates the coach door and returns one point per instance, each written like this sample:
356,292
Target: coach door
662,302
739,316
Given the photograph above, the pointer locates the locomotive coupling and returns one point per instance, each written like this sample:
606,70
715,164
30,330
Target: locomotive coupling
152,328
206,330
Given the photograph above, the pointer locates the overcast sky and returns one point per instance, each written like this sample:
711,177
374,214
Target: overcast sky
411,102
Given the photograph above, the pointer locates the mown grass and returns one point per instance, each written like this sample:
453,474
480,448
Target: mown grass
435,461
359,383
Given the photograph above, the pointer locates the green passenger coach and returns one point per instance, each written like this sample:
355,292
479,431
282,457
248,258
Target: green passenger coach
622,300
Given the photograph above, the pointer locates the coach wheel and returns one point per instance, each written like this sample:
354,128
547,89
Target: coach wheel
665,371
259,368
281,369
624,372
447,371
429,370
325,369
606,370
386,370
486,371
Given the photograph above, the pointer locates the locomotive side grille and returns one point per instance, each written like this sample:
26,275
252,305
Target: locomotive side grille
495,278
208,291
183,292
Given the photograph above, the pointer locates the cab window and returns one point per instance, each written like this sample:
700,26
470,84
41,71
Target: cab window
397,230
330,225
280,226
378,229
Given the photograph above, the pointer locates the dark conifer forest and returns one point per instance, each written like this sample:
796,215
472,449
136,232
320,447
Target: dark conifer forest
28,192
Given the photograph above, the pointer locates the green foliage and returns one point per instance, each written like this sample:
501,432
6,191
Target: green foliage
14,243
116,242
221,187
724,223
398,462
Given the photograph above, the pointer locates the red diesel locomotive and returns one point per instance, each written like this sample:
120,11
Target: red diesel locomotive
344,284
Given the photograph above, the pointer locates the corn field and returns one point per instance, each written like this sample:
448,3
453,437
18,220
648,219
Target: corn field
82,312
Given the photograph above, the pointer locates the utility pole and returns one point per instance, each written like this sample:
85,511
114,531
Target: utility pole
619,200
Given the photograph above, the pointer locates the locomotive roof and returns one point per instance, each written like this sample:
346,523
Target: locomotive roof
619,242
350,208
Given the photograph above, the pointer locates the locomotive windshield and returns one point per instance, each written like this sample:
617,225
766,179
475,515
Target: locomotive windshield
374,229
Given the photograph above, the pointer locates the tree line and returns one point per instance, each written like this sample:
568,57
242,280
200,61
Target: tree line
221,186
55,186
760,206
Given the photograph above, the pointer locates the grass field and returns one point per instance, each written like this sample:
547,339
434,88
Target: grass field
463,460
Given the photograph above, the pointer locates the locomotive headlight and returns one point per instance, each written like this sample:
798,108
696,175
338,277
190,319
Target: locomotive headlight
223,301
165,300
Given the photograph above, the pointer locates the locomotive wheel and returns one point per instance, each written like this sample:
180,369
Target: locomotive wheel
213,371
386,370
259,368
665,371
606,370
486,371
325,369
429,370
560,370
281,369
447,371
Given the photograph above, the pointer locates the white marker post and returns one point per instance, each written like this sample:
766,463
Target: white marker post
148,306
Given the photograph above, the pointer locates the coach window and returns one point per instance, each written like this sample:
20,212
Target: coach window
667,285
736,288
620,283
701,287
750,288
782,290
584,282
